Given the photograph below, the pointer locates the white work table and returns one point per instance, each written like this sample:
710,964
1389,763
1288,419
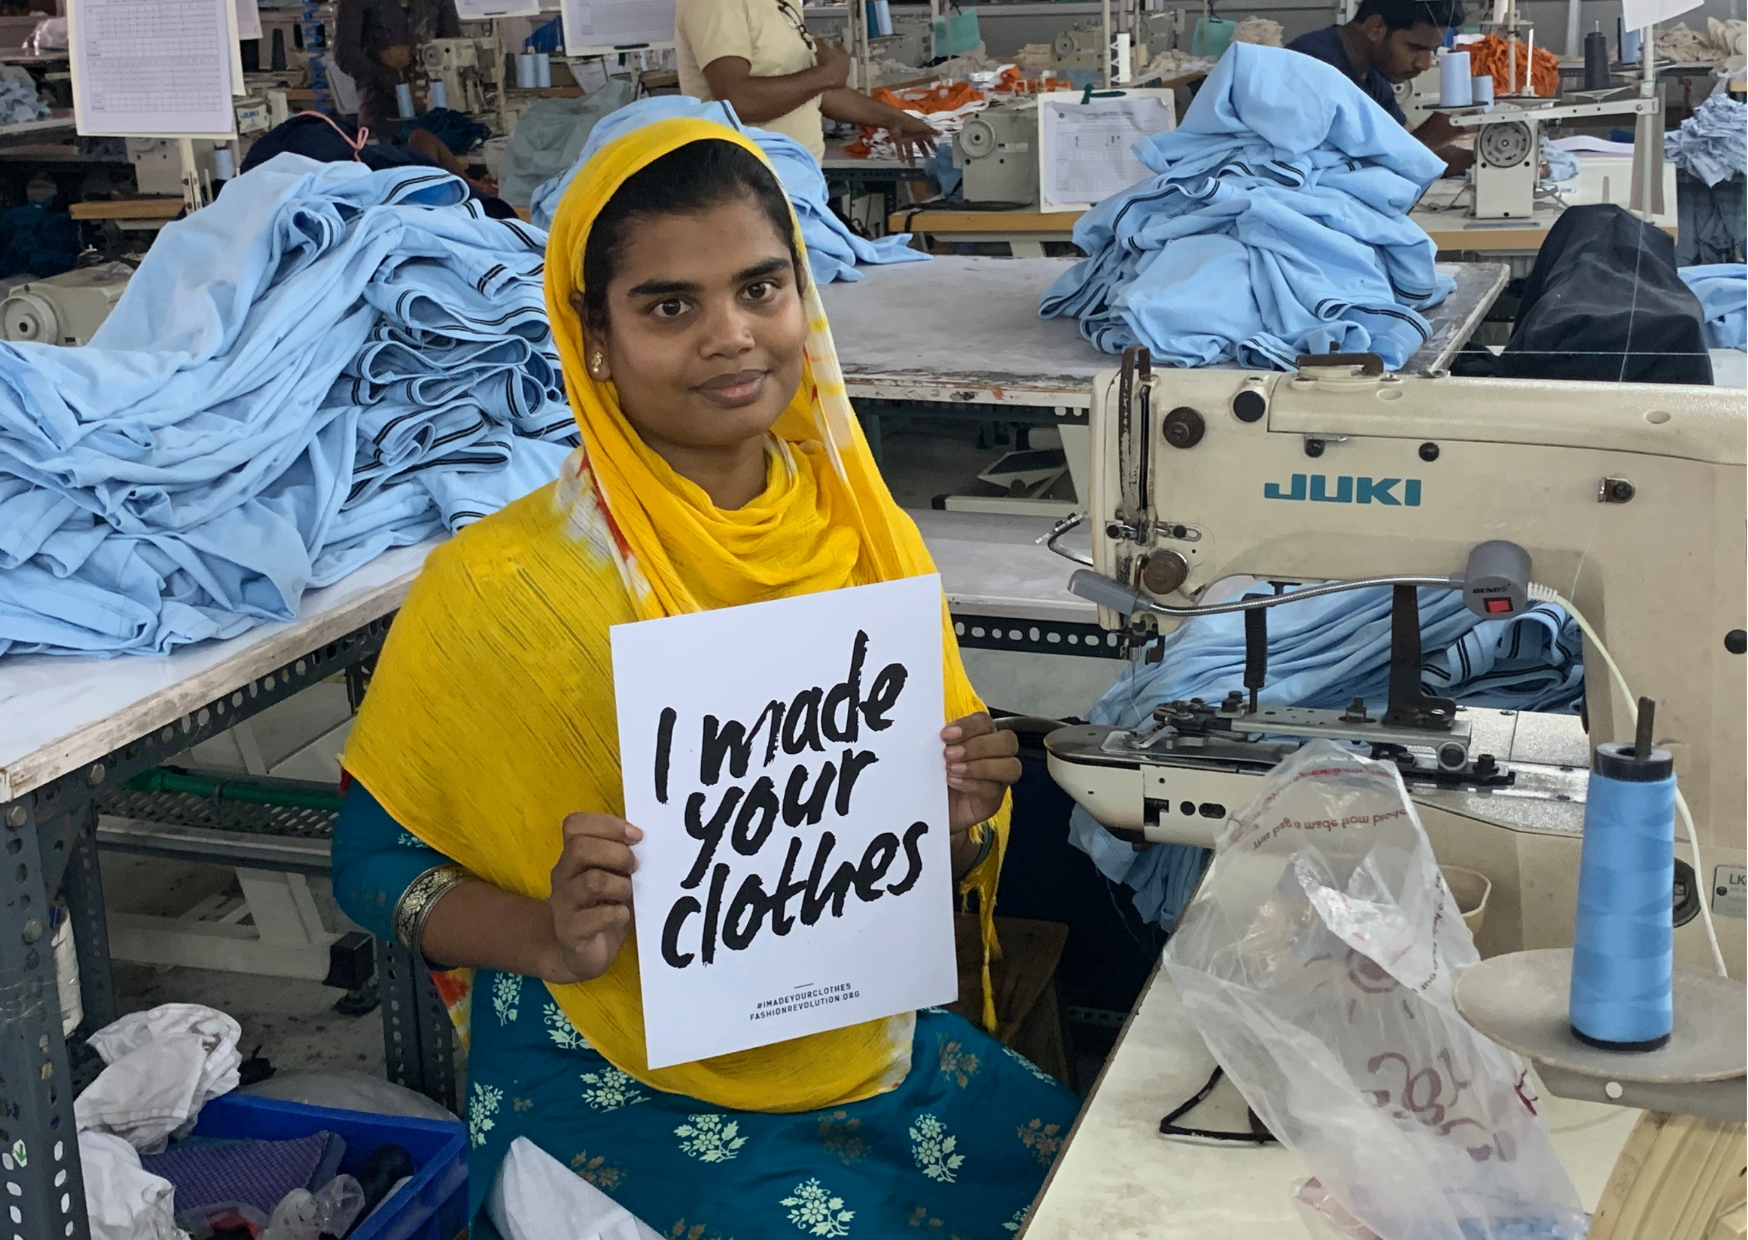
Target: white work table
966,331
59,714
1119,1179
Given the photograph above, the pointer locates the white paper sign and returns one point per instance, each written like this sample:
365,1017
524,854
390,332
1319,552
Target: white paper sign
478,10
154,68
248,19
1084,149
1637,14
616,23
784,760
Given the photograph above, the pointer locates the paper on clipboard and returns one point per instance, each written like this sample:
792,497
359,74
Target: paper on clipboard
617,23
1084,148
154,68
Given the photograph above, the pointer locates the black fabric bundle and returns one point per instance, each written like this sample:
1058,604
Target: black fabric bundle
1604,302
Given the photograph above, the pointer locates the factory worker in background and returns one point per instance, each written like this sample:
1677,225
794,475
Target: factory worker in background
1389,42
375,42
759,57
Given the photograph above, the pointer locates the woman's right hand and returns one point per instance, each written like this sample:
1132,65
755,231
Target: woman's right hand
591,897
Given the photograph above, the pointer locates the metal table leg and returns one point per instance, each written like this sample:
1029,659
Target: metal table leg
39,1149
418,1041
83,889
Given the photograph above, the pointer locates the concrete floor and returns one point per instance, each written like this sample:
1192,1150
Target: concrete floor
291,1020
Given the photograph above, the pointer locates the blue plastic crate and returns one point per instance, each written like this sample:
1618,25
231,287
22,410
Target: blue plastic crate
430,1206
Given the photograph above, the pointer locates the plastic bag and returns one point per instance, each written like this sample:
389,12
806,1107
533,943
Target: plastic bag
1318,961
536,1197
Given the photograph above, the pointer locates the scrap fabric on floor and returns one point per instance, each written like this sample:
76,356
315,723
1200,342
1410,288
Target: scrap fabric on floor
1323,653
1277,226
1722,289
832,249
1713,142
325,363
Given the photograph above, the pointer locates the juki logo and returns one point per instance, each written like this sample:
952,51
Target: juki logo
1316,488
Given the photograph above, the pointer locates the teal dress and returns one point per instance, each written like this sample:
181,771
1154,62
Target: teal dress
959,1149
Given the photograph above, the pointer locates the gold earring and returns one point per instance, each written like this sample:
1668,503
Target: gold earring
595,361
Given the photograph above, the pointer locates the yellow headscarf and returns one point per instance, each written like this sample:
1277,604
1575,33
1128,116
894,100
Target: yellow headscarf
491,714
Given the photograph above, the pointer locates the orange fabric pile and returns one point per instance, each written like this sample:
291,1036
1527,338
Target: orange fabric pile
950,97
1492,57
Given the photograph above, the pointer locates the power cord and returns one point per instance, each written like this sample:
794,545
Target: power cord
1547,594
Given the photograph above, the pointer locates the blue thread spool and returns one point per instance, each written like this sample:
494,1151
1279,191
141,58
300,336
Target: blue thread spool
1623,939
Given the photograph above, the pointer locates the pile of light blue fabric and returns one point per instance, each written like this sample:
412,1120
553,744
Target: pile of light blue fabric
325,363
1276,226
832,249
1722,289
1712,144
19,101
1323,653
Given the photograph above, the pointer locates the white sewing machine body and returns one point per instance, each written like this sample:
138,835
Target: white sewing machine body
466,67
1508,148
1628,498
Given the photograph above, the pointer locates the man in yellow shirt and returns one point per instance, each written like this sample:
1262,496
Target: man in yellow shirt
759,56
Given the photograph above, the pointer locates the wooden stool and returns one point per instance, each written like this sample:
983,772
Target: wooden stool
1028,1017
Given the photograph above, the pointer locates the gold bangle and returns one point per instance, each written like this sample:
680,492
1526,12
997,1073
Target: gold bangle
421,896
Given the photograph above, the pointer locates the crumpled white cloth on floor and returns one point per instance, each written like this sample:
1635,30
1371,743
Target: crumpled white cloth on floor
164,1065
536,1197
124,1201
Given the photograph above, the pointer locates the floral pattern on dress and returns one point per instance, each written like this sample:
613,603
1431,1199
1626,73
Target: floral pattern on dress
609,1089
815,1211
958,1064
709,1139
564,1035
1044,1140
841,1134
597,1171
481,1108
933,1148
506,997
935,1228
682,1230
1018,1220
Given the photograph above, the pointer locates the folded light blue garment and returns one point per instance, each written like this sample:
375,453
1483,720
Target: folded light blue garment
832,249
1323,653
1712,144
325,363
1722,289
1276,225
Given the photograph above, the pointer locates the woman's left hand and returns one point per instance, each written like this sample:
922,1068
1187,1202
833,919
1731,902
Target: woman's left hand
982,764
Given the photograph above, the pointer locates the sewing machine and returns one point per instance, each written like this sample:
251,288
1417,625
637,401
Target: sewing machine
1625,498
997,150
466,67
157,162
66,309
1508,148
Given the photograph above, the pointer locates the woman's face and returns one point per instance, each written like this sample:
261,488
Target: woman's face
705,327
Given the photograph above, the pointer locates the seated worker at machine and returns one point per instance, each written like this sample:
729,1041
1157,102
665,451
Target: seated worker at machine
479,827
375,41
758,56
1389,42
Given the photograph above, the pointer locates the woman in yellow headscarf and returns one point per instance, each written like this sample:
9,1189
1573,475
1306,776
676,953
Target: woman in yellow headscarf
720,465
